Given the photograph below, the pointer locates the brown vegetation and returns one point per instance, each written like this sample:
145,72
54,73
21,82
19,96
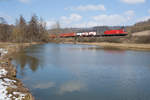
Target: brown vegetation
33,31
139,27
131,46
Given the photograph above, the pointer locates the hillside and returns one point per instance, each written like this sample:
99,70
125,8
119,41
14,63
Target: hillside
139,27
143,33
143,23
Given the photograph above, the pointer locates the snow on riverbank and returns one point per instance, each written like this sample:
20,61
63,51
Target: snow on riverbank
7,83
3,72
3,52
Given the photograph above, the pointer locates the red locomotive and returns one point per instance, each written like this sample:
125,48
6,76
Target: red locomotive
115,32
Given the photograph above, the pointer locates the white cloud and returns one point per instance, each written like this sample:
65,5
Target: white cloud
145,18
133,1
75,20
149,11
86,24
24,1
50,23
70,19
129,14
114,19
99,7
64,21
100,20
111,20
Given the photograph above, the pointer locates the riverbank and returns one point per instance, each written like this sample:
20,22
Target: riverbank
124,46
11,88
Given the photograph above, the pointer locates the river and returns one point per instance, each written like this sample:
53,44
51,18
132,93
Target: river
80,72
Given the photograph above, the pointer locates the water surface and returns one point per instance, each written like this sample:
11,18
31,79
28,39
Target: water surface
77,72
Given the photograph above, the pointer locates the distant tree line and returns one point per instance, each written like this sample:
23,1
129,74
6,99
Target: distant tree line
32,31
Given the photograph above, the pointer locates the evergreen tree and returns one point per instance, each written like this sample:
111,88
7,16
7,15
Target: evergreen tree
33,30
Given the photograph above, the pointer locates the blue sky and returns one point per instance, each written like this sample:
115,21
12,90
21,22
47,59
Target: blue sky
78,13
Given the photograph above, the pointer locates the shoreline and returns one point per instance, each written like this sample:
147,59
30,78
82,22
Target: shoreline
122,46
12,88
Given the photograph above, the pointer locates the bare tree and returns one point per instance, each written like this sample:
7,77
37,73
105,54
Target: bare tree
43,33
19,31
34,31
56,29
5,30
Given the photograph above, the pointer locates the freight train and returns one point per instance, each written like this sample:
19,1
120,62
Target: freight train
116,32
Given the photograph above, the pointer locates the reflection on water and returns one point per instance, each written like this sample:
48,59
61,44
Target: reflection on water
71,86
22,59
43,85
83,72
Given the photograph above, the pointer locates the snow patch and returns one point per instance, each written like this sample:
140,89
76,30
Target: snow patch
3,52
4,84
3,72
21,96
3,91
9,81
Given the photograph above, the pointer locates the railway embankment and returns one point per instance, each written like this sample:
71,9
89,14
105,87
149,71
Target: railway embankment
11,88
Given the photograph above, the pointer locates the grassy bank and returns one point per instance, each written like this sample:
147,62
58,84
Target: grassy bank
124,46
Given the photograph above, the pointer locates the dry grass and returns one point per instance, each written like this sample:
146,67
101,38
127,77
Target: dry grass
121,45
143,33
